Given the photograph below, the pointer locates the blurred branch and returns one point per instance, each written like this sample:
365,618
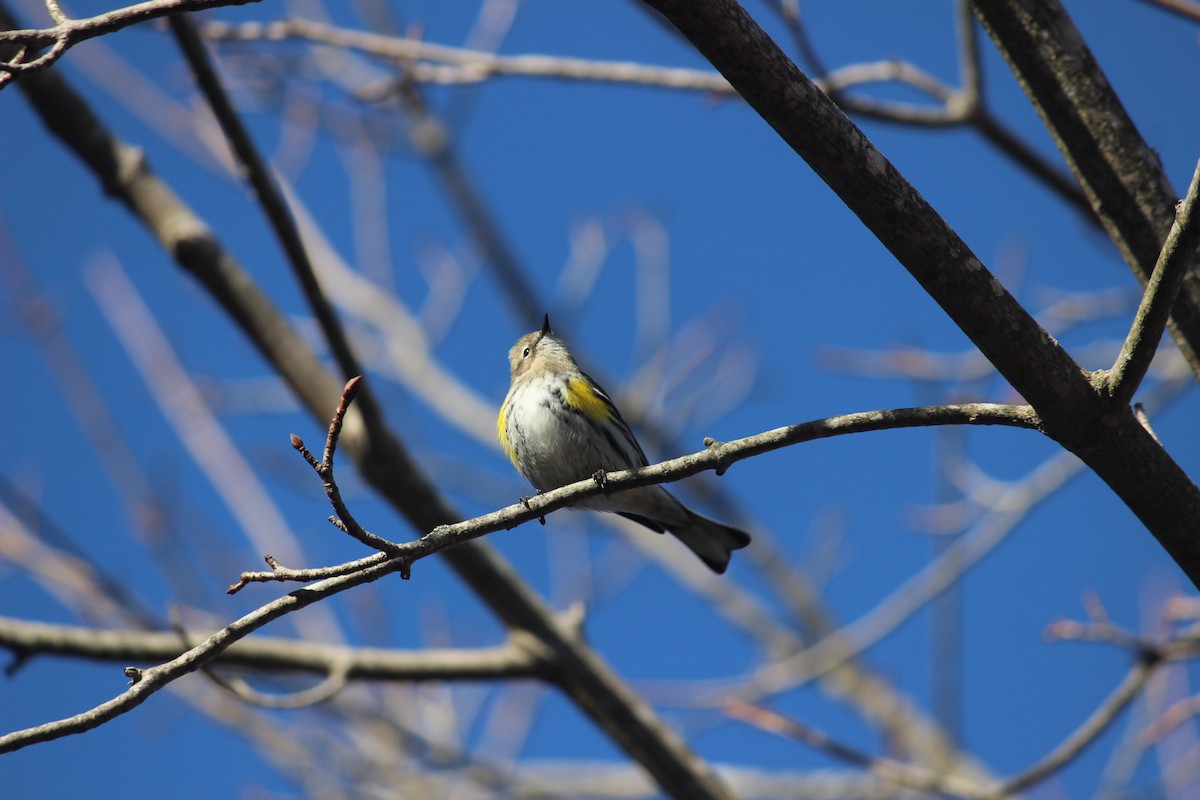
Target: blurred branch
907,362
149,681
61,569
430,137
425,62
267,194
200,432
913,776
20,48
407,351
789,12
43,323
1097,723
1011,504
836,647
511,660
1188,9
434,140
1162,289
454,65
909,776
124,173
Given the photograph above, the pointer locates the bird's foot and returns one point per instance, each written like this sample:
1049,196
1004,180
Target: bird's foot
601,479
525,502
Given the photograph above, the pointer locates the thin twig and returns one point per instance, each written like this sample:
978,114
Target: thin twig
1158,299
969,70
151,680
789,11
343,519
717,456
281,573
19,46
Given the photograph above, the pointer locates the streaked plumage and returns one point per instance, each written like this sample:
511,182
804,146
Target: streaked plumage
558,426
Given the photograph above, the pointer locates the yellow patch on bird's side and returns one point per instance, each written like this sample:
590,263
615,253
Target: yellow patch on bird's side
502,432
580,395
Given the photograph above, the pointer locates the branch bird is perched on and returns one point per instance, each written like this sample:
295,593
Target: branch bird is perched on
558,427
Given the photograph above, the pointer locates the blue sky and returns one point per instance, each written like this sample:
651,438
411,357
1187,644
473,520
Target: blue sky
761,255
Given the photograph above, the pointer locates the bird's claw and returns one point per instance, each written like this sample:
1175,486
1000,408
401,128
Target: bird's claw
525,502
601,479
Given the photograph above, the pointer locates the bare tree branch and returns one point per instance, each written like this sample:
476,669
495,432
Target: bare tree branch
1088,731
1120,173
458,65
270,654
19,48
1178,253
909,776
1072,407
914,776
426,62
147,682
718,456
343,520
123,171
267,194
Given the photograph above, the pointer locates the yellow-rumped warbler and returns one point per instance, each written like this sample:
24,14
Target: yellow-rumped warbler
558,427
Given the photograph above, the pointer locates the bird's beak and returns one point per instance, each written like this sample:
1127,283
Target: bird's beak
546,326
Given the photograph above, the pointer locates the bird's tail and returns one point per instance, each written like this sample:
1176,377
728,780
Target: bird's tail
712,541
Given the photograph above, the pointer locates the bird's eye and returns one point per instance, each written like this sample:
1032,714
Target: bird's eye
525,353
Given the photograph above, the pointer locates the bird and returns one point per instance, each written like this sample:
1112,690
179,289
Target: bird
558,426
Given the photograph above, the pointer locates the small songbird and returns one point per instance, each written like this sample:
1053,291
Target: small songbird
558,427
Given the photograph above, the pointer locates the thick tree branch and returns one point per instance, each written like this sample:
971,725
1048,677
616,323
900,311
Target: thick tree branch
1120,174
890,207
1073,406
